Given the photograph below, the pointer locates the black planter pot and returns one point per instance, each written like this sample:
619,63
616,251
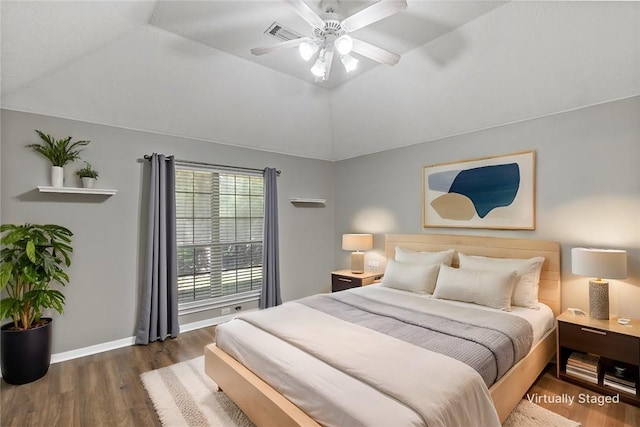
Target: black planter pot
26,355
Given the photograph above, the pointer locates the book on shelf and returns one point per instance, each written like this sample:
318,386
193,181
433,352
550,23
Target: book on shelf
583,360
582,370
589,372
620,387
591,377
620,380
589,358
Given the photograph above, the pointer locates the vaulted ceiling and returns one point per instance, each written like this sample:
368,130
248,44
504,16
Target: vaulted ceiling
236,27
184,68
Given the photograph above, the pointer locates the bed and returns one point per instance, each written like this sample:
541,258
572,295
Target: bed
265,405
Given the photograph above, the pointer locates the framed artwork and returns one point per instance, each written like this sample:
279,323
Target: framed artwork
489,192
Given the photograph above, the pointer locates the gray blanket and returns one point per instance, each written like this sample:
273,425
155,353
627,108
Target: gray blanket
489,342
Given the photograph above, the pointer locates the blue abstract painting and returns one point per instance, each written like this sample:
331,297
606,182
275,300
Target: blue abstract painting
493,192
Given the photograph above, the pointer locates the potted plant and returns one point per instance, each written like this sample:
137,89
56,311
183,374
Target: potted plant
59,152
33,257
88,175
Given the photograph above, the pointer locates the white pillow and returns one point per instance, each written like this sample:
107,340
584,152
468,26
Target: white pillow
525,291
418,278
489,288
413,257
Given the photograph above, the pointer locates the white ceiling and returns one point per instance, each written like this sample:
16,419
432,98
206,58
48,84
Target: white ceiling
41,36
184,68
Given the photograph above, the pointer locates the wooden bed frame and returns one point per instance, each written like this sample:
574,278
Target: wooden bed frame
265,406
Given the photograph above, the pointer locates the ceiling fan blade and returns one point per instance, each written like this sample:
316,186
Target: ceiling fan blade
306,13
376,53
373,13
283,45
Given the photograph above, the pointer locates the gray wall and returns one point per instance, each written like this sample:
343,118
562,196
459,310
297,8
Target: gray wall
588,193
588,189
102,296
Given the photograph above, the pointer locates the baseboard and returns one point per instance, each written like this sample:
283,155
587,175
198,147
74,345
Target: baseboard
93,349
125,342
210,322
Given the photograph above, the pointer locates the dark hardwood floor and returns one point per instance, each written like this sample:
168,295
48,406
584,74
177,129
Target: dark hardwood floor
588,414
105,390
99,390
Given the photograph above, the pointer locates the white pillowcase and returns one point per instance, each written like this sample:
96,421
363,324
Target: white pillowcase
418,278
408,256
525,292
489,288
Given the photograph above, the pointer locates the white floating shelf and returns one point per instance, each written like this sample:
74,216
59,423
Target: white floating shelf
307,200
75,190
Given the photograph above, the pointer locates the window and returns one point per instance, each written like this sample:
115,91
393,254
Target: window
219,222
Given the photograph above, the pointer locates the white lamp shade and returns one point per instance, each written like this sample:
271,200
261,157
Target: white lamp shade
343,44
320,67
600,263
307,50
350,63
357,242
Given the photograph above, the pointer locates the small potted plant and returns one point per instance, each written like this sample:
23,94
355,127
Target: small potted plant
59,152
88,175
33,257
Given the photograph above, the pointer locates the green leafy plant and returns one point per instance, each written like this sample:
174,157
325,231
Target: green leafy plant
60,151
33,257
87,172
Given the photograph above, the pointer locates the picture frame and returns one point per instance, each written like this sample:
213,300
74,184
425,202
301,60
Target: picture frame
495,192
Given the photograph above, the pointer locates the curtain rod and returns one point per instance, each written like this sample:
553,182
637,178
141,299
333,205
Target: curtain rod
190,162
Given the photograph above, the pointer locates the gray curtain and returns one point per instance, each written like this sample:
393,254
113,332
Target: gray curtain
158,314
270,295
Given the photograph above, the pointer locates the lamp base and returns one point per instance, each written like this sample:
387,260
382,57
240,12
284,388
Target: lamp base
357,262
599,299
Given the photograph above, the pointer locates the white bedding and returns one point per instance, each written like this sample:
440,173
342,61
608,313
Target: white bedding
332,397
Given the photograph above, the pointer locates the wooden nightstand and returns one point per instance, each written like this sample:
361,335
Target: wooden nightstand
600,354
345,279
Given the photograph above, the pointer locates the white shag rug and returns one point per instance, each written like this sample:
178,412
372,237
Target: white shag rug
183,395
528,414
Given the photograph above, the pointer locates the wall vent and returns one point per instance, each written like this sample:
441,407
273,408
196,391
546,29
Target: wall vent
281,33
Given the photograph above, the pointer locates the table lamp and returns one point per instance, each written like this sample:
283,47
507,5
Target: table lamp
599,263
357,243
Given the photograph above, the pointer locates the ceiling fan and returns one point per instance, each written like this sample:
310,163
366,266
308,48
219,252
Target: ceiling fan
331,34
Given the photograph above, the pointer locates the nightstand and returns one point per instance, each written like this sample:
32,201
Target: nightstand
601,355
345,279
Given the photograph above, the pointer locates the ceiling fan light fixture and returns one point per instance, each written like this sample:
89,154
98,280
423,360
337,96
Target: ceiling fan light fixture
343,44
350,63
307,50
330,35
320,67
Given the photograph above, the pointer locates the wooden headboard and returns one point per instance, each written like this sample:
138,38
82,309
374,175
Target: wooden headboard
549,291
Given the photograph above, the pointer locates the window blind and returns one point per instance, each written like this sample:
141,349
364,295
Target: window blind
219,225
